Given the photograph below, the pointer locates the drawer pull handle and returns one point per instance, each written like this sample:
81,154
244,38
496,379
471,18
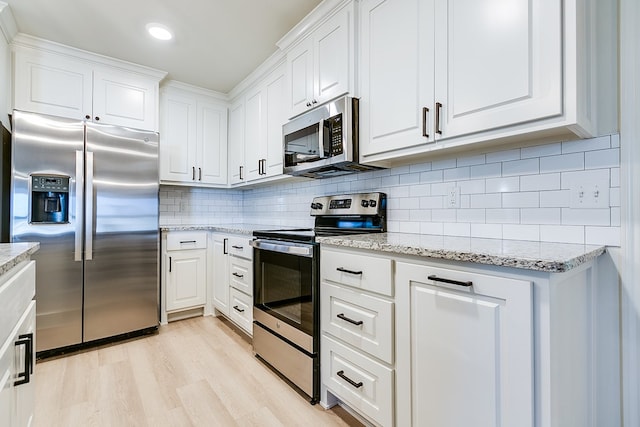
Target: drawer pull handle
238,309
346,319
449,281
349,380
237,247
240,276
25,376
182,242
344,270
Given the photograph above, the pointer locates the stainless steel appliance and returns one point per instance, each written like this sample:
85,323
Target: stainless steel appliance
286,263
323,142
89,194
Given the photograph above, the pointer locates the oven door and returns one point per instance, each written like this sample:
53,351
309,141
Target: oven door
286,285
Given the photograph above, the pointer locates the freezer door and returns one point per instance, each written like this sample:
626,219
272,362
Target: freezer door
121,231
51,146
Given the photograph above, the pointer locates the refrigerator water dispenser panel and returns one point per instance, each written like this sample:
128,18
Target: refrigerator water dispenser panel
49,199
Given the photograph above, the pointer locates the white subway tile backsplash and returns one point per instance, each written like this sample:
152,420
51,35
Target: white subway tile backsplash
503,185
488,231
541,150
600,217
547,181
603,236
521,167
564,233
521,232
583,145
529,199
486,201
491,170
602,159
564,162
521,194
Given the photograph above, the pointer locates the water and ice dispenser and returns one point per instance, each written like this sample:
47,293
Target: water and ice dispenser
49,199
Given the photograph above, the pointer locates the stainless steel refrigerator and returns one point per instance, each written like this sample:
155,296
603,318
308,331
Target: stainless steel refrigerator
89,194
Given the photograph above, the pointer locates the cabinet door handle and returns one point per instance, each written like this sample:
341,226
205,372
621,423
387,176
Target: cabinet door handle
224,246
438,111
193,173
169,264
314,102
238,309
97,119
186,241
308,104
237,247
349,380
87,117
425,110
449,281
25,376
241,167
344,270
199,174
346,319
240,276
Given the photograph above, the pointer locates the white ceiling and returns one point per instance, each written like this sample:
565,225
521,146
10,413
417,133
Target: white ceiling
216,44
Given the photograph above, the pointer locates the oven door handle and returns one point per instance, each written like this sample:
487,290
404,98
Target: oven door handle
283,247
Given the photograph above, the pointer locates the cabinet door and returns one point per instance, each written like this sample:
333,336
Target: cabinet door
124,99
497,64
237,172
274,118
178,139
186,279
254,132
396,74
464,352
51,84
212,143
220,274
333,57
300,68
25,394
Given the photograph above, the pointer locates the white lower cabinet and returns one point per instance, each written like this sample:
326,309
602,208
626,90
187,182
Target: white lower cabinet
467,348
185,272
233,279
17,345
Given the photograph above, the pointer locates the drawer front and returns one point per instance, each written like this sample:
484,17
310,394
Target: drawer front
241,274
17,288
181,240
364,384
239,246
358,270
364,321
241,309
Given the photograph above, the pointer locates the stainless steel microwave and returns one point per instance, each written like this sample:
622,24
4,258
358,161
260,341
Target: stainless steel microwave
323,142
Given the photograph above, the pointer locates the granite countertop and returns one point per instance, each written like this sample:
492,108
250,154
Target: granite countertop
12,254
540,256
234,228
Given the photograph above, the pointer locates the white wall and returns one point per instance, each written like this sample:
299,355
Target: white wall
520,194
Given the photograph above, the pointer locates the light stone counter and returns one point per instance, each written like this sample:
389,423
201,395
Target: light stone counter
12,254
540,256
246,229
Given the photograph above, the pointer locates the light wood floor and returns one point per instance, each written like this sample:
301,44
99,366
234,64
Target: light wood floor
195,372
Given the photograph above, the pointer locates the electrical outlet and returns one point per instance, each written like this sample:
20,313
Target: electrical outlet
453,197
589,196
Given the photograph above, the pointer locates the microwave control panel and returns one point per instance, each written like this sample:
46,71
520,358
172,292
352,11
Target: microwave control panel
335,134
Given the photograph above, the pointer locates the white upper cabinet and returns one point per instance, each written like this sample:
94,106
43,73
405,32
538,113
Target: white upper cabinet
193,137
237,172
321,66
438,74
77,85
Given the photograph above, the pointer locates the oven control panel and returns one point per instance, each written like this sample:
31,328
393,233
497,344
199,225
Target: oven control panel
349,204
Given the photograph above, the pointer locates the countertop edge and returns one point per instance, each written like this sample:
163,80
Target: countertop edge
21,255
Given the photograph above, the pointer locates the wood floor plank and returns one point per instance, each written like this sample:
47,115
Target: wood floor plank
194,372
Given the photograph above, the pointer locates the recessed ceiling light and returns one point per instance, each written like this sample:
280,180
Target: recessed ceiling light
159,31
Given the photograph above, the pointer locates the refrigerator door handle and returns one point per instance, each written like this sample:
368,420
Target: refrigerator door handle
89,209
79,205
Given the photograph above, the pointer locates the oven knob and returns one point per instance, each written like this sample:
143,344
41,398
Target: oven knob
372,203
319,205
364,203
314,206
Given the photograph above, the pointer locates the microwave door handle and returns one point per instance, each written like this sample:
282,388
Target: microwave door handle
321,139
